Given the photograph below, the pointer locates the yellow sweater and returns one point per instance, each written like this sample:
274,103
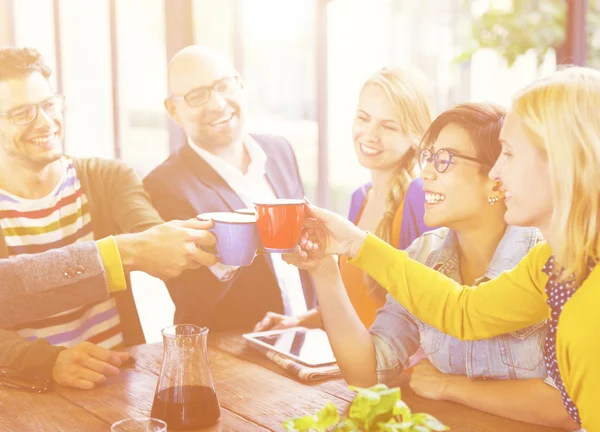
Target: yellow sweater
513,300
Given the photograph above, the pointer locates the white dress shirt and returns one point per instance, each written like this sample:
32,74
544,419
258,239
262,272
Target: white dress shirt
252,187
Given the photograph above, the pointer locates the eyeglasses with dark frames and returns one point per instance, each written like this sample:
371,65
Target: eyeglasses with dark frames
11,378
442,159
201,95
25,114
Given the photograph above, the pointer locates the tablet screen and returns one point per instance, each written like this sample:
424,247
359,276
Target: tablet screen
309,346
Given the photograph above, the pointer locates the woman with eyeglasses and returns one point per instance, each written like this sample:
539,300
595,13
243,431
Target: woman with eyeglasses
504,375
392,114
549,168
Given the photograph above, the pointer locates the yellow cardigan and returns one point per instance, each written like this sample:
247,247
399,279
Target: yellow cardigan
513,300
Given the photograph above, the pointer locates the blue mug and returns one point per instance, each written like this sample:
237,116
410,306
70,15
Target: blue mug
237,237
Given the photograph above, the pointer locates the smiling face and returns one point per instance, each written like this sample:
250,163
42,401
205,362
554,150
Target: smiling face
460,194
379,140
524,172
39,142
219,121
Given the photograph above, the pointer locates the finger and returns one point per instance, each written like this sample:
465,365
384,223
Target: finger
201,237
289,258
100,367
90,376
294,257
196,224
201,257
318,213
264,324
82,384
123,355
103,354
280,325
258,327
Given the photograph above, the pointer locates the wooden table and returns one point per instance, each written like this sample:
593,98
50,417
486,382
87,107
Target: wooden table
255,395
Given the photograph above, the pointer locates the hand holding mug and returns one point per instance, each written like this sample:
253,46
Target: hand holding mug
166,250
331,234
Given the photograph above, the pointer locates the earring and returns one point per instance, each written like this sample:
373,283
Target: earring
493,200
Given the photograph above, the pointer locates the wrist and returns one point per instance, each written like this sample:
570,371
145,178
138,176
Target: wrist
452,387
325,267
311,319
356,243
129,246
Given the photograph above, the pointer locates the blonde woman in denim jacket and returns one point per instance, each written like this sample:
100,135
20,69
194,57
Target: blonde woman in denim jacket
504,375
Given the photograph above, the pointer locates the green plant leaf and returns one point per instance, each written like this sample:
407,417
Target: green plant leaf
347,425
300,424
395,427
537,26
374,409
402,410
327,417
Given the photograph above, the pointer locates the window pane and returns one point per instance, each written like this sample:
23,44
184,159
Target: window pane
279,68
142,83
36,30
6,21
358,45
213,24
86,67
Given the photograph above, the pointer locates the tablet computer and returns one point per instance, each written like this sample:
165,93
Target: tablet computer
309,347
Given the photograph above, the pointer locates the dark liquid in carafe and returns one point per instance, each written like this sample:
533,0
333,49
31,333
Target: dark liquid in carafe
186,407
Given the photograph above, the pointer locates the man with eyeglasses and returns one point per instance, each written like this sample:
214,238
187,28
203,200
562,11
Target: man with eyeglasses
49,201
221,167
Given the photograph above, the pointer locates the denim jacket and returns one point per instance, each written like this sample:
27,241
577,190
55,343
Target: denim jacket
397,334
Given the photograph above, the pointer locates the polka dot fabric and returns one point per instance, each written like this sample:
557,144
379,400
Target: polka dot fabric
559,292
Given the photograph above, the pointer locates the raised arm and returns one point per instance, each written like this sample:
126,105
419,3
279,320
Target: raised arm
350,341
512,301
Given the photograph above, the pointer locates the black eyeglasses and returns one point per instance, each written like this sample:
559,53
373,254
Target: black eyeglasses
442,159
25,114
199,96
12,378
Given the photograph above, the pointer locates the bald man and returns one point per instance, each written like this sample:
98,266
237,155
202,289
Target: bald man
221,167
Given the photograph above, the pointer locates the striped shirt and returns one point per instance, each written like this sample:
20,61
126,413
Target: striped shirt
59,219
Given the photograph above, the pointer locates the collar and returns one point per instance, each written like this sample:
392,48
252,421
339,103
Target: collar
513,246
258,159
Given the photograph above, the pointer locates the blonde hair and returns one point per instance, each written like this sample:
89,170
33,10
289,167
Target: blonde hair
410,94
561,116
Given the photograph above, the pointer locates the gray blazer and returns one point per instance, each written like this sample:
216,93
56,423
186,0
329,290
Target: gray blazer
37,286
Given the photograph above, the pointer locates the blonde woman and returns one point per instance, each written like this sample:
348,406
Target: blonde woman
392,115
549,169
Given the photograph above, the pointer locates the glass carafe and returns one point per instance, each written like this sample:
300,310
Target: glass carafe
185,394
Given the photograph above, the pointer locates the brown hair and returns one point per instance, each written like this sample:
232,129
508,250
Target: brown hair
20,62
482,121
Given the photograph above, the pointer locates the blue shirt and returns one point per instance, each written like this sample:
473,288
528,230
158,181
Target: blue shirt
397,334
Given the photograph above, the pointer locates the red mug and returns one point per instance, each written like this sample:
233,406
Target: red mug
280,223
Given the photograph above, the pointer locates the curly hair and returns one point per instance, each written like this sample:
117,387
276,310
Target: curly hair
20,62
